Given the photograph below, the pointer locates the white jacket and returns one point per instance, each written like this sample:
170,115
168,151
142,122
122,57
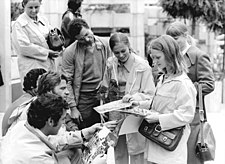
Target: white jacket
175,100
29,43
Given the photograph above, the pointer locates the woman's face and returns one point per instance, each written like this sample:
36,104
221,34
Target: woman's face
32,8
158,58
121,51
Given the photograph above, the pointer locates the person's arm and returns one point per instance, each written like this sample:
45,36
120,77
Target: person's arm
9,111
205,74
30,45
68,66
64,138
147,85
147,88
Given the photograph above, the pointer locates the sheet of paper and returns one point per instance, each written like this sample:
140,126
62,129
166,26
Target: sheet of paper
130,125
112,106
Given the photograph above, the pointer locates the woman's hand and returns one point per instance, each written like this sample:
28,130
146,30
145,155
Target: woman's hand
131,98
111,125
152,117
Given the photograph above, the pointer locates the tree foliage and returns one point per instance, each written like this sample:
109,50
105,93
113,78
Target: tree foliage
214,17
211,12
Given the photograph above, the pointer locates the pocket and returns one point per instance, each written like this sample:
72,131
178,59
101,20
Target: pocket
165,101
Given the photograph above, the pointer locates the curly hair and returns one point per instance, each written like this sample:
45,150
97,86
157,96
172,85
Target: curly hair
44,107
31,78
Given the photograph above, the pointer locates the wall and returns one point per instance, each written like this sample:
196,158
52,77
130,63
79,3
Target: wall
5,90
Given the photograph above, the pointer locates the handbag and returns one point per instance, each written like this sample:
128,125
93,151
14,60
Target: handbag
206,144
167,139
55,40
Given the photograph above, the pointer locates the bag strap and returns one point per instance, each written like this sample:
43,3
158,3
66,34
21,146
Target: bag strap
201,113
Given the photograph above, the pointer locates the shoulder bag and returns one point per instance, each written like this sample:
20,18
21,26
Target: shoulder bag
206,144
167,139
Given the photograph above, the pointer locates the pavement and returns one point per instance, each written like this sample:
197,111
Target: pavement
215,107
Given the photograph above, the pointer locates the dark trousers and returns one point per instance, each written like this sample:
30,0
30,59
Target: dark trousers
87,101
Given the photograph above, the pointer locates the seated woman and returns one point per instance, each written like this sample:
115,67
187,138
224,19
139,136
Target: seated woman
29,87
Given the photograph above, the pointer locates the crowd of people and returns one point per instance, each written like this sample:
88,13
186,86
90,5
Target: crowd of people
57,106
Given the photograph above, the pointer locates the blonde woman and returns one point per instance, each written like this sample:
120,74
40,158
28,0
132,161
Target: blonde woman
174,102
133,79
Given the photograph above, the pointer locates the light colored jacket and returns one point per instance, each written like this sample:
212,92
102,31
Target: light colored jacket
20,145
73,64
30,44
175,100
140,81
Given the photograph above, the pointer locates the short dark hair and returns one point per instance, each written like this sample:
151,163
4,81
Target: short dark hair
31,78
74,4
75,27
48,81
44,107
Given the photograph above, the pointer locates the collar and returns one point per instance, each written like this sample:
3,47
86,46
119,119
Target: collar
40,135
179,77
35,131
25,19
186,49
98,43
191,54
129,63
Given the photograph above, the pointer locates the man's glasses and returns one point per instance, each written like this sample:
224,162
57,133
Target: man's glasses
85,37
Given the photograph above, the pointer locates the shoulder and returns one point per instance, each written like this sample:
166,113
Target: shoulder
112,60
68,14
101,40
70,49
194,53
141,63
22,20
184,82
43,19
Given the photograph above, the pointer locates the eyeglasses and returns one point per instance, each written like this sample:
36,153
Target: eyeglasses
81,38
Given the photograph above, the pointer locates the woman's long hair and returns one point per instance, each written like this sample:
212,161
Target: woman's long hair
173,56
